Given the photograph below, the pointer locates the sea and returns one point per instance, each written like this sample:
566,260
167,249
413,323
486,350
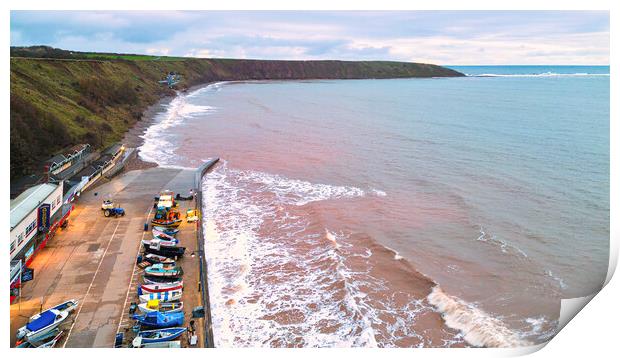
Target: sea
438,212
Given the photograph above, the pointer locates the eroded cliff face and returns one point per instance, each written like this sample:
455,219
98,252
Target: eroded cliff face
59,102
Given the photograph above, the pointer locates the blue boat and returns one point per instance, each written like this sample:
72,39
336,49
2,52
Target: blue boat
161,270
161,335
160,320
166,230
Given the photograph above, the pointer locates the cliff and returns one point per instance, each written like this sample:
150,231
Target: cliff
61,98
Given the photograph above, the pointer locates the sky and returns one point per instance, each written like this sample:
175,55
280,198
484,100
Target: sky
440,37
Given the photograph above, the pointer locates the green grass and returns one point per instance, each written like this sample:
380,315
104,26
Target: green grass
111,56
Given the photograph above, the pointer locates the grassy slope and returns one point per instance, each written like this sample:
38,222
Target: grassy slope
56,103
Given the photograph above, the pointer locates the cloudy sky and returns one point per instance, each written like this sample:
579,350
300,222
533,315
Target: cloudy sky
441,37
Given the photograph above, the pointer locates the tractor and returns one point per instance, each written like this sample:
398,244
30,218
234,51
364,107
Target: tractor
110,210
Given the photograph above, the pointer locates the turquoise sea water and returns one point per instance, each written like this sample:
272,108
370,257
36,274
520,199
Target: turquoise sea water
494,186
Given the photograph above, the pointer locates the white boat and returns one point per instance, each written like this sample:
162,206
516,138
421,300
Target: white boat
43,323
161,242
137,343
167,296
165,307
48,340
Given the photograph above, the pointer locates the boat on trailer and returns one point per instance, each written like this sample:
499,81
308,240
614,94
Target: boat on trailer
142,289
160,320
156,248
157,259
163,270
161,242
153,280
168,296
48,340
161,335
157,234
157,306
166,230
137,343
43,323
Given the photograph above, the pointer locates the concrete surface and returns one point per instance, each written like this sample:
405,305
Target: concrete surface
93,259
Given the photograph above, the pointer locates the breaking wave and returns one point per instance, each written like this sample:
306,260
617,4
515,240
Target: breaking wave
279,278
289,289
158,144
479,328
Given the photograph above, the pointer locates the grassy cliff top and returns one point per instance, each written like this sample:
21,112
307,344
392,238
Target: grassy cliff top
61,98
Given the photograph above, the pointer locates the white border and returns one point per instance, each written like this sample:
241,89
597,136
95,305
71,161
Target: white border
592,332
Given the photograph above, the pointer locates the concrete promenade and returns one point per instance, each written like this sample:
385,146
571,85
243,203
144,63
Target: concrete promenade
93,260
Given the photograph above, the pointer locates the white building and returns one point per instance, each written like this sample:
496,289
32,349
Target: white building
31,213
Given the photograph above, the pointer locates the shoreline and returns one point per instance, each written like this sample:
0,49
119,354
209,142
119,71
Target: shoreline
133,136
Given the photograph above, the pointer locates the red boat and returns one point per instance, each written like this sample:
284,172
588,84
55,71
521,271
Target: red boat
143,289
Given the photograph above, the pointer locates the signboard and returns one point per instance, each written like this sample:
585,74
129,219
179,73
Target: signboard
29,253
43,218
27,275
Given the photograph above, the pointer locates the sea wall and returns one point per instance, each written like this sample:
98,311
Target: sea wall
204,284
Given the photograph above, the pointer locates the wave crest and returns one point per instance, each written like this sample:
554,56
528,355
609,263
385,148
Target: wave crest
478,327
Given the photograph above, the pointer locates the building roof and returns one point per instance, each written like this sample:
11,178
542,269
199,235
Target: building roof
58,158
28,201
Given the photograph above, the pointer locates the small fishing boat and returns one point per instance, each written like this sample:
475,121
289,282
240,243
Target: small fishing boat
156,259
167,216
163,270
166,230
48,340
43,323
167,223
157,234
161,335
142,289
167,296
155,247
157,306
160,320
153,280
161,242
137,343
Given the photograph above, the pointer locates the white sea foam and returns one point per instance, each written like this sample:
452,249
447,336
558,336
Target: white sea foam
379,192
559,280
265,292
158,146
288,285
396,253
478,327
299,192
503,245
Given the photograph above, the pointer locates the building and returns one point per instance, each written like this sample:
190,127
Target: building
36,214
